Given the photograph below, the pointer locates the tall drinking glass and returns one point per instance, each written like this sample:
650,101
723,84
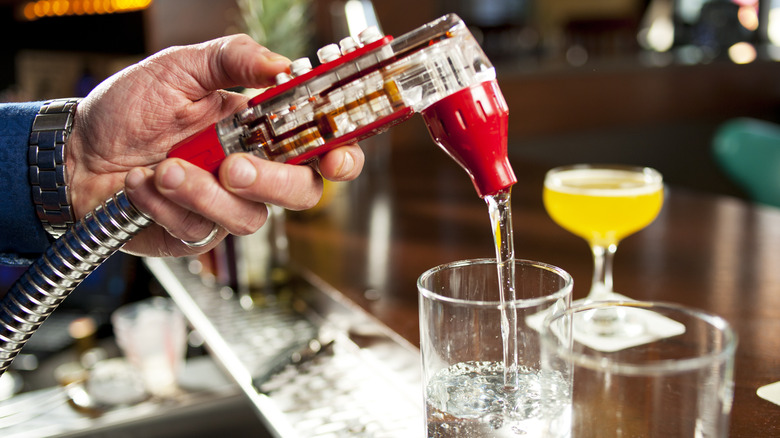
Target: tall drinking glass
676,386
463,358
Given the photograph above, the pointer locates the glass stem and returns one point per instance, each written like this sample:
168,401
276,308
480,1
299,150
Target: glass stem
602,271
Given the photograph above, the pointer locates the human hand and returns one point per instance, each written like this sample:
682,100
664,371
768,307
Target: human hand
127,125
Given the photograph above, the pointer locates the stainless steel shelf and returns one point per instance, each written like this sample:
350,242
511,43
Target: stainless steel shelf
314,365
209,405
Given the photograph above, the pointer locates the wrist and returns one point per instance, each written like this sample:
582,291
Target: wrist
74,158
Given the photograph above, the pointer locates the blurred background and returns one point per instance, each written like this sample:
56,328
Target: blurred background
642,81
645,82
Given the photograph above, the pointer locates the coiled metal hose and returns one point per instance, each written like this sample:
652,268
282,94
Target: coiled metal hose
64,265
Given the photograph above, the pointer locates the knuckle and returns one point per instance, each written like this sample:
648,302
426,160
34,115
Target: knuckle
312,197
250,223
294,187
204,195
192,228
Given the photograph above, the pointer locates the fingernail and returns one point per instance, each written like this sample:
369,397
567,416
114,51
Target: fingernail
347,165
134,178
172,177
242,173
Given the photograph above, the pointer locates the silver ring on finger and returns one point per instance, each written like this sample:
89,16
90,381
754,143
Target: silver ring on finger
205,241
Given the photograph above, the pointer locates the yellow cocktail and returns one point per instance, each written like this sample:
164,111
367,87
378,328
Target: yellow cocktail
603,204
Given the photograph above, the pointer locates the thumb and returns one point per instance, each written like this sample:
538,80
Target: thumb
226,62
239,60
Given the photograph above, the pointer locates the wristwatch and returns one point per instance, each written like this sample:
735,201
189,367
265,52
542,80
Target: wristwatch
46,159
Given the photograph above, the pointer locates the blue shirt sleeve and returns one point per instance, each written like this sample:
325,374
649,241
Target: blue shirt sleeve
22,237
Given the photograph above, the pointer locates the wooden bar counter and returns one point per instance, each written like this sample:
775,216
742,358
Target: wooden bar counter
414,208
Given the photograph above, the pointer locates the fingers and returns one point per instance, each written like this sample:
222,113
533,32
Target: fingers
252,178
343,163
179,222
197,190
187,200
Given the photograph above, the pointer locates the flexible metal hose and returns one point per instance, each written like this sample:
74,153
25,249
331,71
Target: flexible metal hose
64,265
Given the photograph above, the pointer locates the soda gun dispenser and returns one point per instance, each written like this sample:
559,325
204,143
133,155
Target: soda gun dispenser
361,88
364,87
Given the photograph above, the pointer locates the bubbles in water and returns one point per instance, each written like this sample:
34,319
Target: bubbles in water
471,396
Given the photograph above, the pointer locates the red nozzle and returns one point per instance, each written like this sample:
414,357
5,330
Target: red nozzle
471,126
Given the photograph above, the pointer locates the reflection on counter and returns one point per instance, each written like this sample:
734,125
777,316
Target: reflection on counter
210,406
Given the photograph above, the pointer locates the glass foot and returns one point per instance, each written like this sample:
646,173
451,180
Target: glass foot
610,323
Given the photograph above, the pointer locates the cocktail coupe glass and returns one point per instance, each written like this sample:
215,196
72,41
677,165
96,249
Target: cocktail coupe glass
603,204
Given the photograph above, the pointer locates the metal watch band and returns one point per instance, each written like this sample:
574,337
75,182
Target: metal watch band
46,158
